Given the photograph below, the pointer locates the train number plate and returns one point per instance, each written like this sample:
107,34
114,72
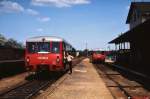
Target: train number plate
42,57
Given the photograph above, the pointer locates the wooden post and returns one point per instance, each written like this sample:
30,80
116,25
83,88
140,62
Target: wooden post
121,45
115,46
124,45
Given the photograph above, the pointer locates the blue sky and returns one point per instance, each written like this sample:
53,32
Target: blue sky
78,21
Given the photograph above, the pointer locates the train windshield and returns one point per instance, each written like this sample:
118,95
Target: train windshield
99,52
38,47
55,47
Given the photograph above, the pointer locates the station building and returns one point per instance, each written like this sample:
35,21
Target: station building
132,47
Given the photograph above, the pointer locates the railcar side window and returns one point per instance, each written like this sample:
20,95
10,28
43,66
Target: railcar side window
55,47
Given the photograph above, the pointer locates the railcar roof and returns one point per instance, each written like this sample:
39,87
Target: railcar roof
45,38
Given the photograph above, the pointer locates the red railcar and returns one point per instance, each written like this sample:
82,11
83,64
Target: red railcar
46,53
98,56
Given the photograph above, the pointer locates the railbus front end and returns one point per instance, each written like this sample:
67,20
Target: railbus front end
46,54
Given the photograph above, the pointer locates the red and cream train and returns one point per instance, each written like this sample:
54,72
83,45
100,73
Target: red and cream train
46,53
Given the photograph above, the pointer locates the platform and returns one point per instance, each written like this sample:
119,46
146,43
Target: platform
83,83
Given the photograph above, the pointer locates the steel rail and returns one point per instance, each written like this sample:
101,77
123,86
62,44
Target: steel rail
118,85
25,91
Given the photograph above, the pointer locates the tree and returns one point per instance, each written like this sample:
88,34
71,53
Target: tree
85,52
2,39
20,45
11,43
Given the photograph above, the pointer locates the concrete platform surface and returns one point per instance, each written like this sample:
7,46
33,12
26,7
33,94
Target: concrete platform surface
83,83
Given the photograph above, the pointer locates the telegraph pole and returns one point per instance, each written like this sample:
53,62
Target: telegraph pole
86,49
108,48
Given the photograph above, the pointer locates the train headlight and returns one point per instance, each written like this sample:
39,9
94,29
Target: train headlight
57,59
28,59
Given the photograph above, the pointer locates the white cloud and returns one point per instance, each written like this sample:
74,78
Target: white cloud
39,30
13,7
127,7
9,7
44,19
59,3
32,12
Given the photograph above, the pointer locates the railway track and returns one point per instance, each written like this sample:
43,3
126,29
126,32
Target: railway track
29,89
139,77
121,87
25,91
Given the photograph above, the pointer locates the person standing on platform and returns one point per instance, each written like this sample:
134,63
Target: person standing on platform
69,61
